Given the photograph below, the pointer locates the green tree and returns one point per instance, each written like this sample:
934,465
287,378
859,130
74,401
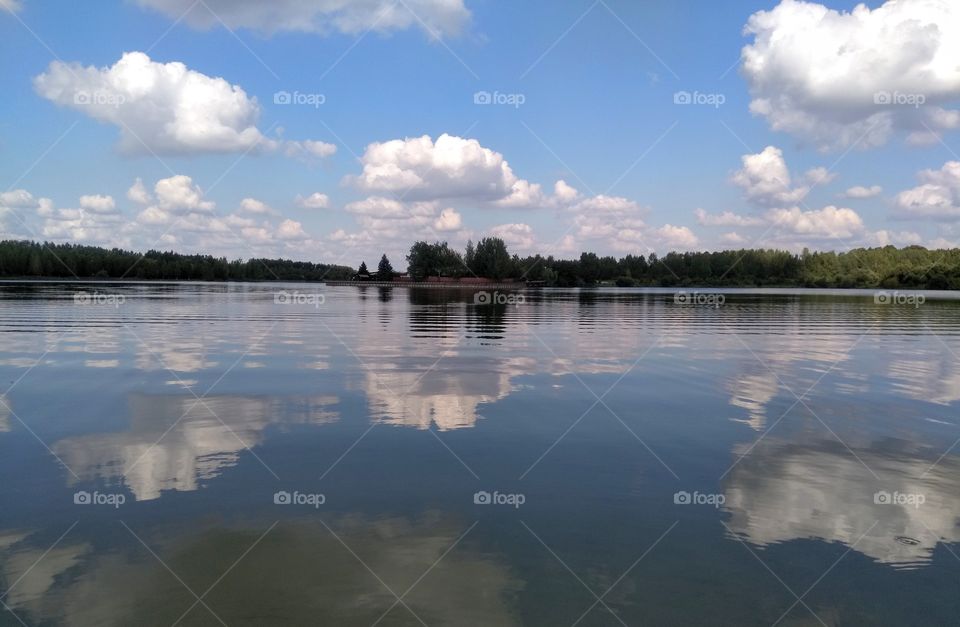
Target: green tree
491,259
384,270
363,268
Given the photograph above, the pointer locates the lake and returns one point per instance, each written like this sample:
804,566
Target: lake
270,454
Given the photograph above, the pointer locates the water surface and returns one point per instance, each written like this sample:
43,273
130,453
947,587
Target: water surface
787,457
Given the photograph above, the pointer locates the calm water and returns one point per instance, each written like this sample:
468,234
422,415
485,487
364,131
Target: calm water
784,457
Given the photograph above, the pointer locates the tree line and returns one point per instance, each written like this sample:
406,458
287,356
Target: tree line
888,267
32,259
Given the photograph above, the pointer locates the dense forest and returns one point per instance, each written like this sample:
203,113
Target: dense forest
32,259
888,267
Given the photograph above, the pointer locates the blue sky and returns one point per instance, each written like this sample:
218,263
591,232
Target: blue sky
588,95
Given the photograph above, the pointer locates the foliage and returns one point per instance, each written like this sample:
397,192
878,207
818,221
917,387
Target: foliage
385,270
33,259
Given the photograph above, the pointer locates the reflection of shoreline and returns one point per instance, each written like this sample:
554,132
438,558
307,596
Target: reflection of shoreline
784,491
176,442
130,587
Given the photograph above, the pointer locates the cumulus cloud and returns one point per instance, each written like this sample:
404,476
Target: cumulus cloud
452,168
138,193
436,17
766,180
617,223
252,206
392,224
310,148
18,199
516,236
448,220
727,218
937,198
165,108
894,238
859,191
733,239
675,237
315,200
827,223
98,203
839,79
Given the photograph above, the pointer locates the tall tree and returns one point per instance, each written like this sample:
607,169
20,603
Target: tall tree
363,268
491,259
385,270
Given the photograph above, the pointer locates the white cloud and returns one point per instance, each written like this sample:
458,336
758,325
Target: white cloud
827,223
819,176
310,148
435,17
13,6
895,238
449,220
453,167
18,199
138,193
516,236
838,79
675,237
98,203
938,196
727,218
733,238
163,108
859,191
564,193
252,206
315,200
766,180
291,230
